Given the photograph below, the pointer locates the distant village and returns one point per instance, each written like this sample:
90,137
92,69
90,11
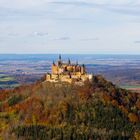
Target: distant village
68,72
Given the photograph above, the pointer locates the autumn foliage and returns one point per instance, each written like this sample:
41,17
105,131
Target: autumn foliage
95,110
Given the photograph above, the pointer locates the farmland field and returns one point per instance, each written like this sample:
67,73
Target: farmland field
122,70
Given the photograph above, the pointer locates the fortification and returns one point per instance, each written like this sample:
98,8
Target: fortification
68,72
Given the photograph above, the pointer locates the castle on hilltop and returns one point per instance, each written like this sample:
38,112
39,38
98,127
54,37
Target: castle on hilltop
68,72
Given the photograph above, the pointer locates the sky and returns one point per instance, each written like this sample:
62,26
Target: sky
70,26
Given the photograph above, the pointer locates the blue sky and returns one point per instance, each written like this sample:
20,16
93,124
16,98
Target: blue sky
70,26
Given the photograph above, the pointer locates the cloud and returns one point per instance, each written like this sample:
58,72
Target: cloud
112,2
120,6
90,39
72,19
13,34
22,4
137,42
62,38
75,39
56,24
41,34
26,34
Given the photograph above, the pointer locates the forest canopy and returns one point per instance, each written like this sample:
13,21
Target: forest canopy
62,111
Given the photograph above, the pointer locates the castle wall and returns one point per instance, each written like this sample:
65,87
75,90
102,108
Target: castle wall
48,76
67,73
54,69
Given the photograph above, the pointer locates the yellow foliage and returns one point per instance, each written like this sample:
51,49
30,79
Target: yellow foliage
137,135
1,138
3,126
34,119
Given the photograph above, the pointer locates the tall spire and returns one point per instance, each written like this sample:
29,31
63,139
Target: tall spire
53,62
59,56
59,61
77,62
83,71
69,62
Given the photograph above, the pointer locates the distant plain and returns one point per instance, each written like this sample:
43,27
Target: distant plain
123,70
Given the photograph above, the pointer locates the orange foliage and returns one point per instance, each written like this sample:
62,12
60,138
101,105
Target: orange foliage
123,109
133,117
114,103
85,93
106,98
5,106
138,104
4,94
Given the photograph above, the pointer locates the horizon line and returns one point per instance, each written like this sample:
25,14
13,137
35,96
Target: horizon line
69,54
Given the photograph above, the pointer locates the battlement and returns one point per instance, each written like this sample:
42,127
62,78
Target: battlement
68,72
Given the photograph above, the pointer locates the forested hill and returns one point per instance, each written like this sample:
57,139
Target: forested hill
98,110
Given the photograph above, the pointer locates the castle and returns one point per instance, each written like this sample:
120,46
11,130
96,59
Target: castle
68,72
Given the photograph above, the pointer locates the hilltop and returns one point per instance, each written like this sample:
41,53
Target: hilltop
65,111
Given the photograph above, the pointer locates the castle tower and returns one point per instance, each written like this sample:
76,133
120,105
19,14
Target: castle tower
54,68
53,63
59,61
77,62
67,72
83,70
60,57
69,62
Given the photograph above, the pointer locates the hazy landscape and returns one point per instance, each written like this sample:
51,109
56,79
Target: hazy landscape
69,69
123,70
